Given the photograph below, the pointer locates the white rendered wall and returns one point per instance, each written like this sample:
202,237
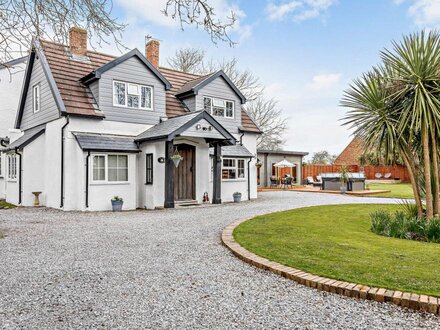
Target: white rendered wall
250,142
11,82
33,174
152,195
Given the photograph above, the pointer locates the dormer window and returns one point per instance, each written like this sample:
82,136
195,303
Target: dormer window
219,107
132,95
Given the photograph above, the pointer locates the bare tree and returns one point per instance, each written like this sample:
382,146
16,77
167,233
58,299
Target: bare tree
323,158
270,120
201,14
21,20
265,112
187,60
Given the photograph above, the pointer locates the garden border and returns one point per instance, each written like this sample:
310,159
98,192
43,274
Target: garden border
409,300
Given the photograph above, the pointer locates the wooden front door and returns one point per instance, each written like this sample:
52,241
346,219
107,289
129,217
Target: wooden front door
185,174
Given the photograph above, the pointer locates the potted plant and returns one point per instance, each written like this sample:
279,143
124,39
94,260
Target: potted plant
258,164
343,173
237,197
176,158
117,203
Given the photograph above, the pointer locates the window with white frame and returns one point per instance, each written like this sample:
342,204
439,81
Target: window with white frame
109,168
233,169
36,98
12,167
219,107
132,95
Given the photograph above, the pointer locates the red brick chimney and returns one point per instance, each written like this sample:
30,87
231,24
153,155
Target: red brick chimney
78,41
152,51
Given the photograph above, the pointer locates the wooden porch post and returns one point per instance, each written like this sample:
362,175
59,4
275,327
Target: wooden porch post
217,177
169,175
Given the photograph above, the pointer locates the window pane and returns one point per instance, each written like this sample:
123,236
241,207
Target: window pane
218,103
112,174
216,111
123,174
122,161
229,109
98,174
119,93
112,161
146,97
133,89
241,173
133,101
207,104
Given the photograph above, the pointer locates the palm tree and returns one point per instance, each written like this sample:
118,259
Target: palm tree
375,118
415,63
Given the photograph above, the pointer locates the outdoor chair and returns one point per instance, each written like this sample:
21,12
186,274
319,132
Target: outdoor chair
311,181
288,182
273,182
378,175
319,178
387,176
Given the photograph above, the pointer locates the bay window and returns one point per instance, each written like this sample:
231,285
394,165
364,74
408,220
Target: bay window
219,107
132,95
109,168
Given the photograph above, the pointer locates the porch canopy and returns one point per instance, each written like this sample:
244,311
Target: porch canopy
198,124
27,137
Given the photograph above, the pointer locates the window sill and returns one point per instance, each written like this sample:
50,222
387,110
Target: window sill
125,107
234,180
110,183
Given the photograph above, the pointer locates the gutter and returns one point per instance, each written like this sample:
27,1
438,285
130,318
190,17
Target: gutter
62,161
20,192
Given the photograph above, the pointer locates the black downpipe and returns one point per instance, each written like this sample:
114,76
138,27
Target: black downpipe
3,143
20,192
87,179
62,162
249,179
241,138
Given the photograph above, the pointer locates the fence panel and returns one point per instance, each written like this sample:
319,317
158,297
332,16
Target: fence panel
397,171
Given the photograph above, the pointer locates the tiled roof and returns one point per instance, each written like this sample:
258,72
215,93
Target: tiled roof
101,142
167,127
79,100
350,155
188,86
27,137
234,151
282,152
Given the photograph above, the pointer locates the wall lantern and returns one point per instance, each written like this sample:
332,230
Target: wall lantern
161,160
198,126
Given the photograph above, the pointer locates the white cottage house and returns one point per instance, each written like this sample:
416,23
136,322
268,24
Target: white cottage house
93,126
11,80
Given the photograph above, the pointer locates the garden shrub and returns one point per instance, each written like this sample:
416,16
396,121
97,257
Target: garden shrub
405,226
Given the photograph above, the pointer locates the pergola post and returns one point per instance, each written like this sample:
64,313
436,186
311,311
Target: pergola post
169,175
217,175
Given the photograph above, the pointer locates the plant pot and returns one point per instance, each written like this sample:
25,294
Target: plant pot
343,189
176,162
117,206
237,198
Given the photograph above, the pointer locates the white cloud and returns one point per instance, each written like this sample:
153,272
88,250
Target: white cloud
425,13
324,82
298,10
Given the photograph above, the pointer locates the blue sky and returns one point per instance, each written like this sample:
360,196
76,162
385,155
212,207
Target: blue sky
304,51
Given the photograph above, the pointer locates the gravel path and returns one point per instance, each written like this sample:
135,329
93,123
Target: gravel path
164,269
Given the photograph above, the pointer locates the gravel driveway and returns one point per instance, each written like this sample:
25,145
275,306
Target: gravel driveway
164,269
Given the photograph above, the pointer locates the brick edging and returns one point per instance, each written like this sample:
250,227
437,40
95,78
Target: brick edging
410,300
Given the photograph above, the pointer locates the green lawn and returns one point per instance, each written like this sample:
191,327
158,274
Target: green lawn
6,205
398,190
336,242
